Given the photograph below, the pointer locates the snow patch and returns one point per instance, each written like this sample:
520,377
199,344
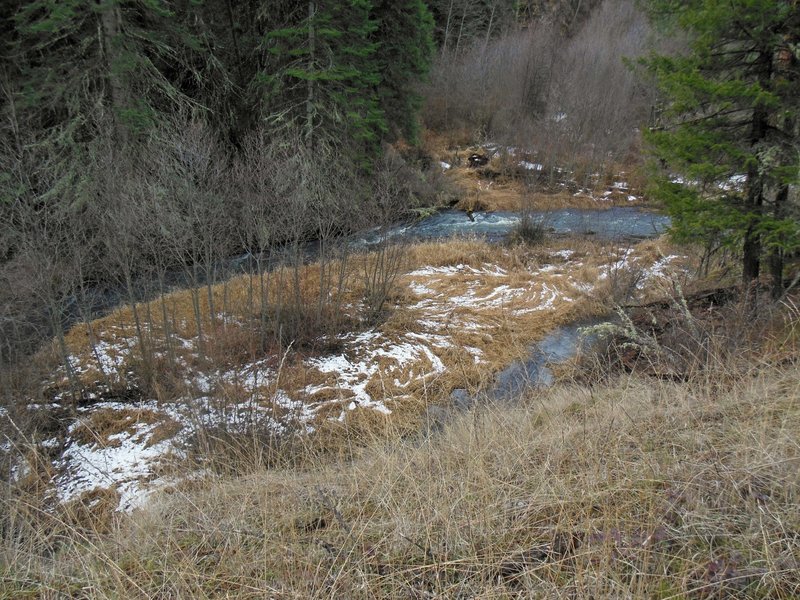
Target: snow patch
125,465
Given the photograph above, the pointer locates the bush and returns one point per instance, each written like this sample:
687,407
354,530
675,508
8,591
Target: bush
529,230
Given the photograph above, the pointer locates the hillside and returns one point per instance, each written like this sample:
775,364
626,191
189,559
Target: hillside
631,487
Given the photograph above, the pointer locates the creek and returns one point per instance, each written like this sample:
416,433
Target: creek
618,222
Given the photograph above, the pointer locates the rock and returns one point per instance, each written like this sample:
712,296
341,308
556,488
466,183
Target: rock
461,399
477,160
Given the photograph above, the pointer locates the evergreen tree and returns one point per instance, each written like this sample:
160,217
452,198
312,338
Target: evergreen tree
345,69
320,73
730,126
109,59
405,34
85,78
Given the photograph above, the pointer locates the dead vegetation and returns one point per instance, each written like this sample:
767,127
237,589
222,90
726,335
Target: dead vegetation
516,178
633,486
457,313
476,295
622,480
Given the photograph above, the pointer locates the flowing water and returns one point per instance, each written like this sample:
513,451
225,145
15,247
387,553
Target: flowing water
610,223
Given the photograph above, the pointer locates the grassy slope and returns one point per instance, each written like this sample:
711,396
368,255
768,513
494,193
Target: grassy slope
634,488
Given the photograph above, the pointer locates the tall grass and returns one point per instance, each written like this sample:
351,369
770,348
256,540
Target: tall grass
624,486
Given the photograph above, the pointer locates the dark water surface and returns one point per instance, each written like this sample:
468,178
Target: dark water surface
609,223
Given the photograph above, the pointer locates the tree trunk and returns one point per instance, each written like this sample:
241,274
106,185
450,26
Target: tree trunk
110,27
312,42
461,26
776,254
447,27
751,254
235,39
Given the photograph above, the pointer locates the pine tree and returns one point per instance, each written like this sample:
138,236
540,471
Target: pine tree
729,141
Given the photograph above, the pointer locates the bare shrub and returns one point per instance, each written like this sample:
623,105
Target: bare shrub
568,96
529,230
698,336
50,245
382,266
192,175
308,199
491,85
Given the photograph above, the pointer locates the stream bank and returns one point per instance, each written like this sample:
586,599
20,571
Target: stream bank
465,313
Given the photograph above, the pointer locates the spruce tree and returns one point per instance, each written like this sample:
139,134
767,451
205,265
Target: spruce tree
405,35
344,69
320,75
728,143
85,78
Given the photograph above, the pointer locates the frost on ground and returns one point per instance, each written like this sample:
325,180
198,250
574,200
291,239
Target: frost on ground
453,317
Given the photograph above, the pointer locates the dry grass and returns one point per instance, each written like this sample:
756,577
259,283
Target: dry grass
616,486
105,427
635,489
505,186
500,329
462,311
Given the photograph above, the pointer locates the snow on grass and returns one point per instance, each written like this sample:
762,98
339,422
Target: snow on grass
453,270
105,357
658,270
439,341
476,353
371,355
125,463
420,290
499,296
251,375
372,370
625,261
132,459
